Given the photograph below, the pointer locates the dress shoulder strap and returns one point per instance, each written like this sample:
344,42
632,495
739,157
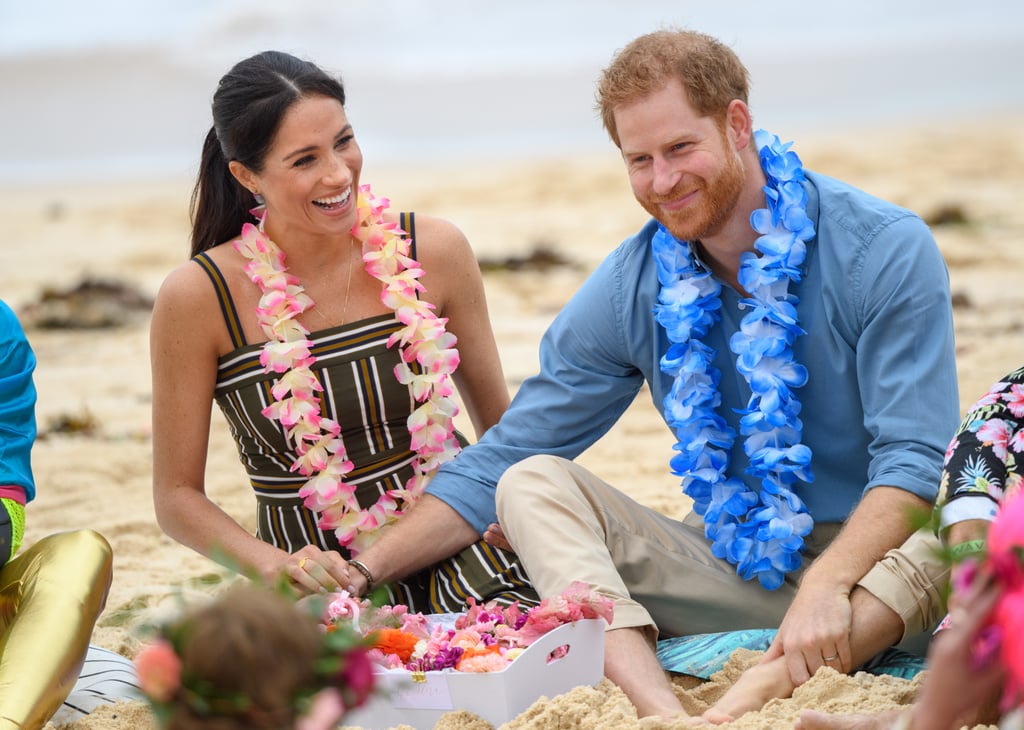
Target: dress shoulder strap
227,304
407,222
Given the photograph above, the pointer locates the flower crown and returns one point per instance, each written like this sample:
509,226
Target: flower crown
341,665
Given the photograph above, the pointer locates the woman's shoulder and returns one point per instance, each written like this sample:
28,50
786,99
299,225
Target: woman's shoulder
438,239
189,283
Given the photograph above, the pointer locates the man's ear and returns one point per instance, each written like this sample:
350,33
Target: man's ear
244,175
739,123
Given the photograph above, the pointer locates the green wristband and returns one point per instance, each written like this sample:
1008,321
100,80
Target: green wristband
964,549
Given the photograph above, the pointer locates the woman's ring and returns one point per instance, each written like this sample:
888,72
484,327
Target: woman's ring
302,566
830,658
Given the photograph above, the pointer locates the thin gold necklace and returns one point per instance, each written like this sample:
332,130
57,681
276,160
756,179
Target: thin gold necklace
348,293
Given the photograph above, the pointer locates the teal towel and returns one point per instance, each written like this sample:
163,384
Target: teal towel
701,655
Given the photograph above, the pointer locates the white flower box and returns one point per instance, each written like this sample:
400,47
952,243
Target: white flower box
495,696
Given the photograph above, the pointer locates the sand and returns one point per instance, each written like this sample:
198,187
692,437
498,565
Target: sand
92,461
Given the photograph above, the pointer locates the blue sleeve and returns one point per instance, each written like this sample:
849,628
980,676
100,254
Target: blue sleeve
17,404
586,381
906,361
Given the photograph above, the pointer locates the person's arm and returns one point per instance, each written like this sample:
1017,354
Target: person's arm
453,282
981,461
907,373
17,404
183,351
585,383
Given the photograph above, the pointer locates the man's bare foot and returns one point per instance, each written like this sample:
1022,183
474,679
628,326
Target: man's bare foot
814,720
757,685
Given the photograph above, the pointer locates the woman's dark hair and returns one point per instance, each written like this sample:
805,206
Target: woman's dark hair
248,106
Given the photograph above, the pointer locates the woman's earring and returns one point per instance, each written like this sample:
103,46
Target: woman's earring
259,198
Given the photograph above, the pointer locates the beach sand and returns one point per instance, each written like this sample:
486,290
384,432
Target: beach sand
93,462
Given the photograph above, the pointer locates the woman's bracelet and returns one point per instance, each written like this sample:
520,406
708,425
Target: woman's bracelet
366,573
963,549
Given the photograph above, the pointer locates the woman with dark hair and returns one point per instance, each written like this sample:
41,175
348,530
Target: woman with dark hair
325,329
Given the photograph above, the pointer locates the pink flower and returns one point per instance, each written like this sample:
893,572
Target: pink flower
1005,553
159,669
1005,543
1015,400
995,432
356,678
346,607
490,662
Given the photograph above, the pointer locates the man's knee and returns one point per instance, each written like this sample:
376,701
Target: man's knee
533,477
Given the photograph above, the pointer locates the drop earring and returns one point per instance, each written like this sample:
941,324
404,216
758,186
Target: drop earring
259,198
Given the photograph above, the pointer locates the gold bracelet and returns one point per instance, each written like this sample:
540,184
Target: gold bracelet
366,573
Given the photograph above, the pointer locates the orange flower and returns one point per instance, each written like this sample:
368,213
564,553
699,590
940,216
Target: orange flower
394,641
470,655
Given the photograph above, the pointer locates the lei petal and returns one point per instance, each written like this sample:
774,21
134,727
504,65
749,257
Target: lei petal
428,360
759,531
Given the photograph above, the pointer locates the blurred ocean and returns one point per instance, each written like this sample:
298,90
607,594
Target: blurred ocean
120,89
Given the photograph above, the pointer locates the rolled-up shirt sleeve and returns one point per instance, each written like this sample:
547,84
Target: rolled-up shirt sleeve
905,357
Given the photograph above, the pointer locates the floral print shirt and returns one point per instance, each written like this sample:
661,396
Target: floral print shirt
985,460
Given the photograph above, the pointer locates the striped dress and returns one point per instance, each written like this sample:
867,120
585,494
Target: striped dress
355,367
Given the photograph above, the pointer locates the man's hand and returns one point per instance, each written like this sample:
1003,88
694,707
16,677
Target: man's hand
815,631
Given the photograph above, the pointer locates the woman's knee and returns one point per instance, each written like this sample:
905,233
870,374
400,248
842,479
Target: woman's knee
81,558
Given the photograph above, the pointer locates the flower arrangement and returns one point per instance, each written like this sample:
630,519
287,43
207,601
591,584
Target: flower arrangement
759,531
429,359
1002,561
485,638
252,658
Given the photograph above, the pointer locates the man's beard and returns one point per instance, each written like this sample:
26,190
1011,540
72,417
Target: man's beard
718,200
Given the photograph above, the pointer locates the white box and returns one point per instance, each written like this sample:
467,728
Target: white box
495,696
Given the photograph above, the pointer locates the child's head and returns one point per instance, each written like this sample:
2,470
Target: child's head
250,659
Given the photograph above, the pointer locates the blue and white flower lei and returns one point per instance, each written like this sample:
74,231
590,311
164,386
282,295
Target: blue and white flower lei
760,532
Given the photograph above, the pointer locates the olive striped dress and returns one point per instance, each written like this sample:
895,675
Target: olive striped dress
355,367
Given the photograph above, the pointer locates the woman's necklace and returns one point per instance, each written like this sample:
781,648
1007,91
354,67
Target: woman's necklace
428,359
344,310
760,532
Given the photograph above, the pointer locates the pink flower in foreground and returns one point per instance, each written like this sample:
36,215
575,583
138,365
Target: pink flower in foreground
1008,616
1005,553
356,679
1005,544
159,669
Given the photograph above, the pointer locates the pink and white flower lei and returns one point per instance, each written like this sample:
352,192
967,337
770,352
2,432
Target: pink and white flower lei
320,449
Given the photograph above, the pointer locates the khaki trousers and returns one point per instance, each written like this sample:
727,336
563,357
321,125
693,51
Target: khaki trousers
566,525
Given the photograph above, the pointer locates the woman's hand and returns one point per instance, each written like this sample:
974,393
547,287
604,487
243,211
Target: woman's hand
313,570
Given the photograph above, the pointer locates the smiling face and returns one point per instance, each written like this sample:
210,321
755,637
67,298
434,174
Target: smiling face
683,168
310,175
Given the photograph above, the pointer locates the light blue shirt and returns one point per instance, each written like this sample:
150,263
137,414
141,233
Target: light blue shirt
881,400
17,404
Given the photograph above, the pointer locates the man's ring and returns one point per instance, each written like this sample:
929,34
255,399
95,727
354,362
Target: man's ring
302,566
830,658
